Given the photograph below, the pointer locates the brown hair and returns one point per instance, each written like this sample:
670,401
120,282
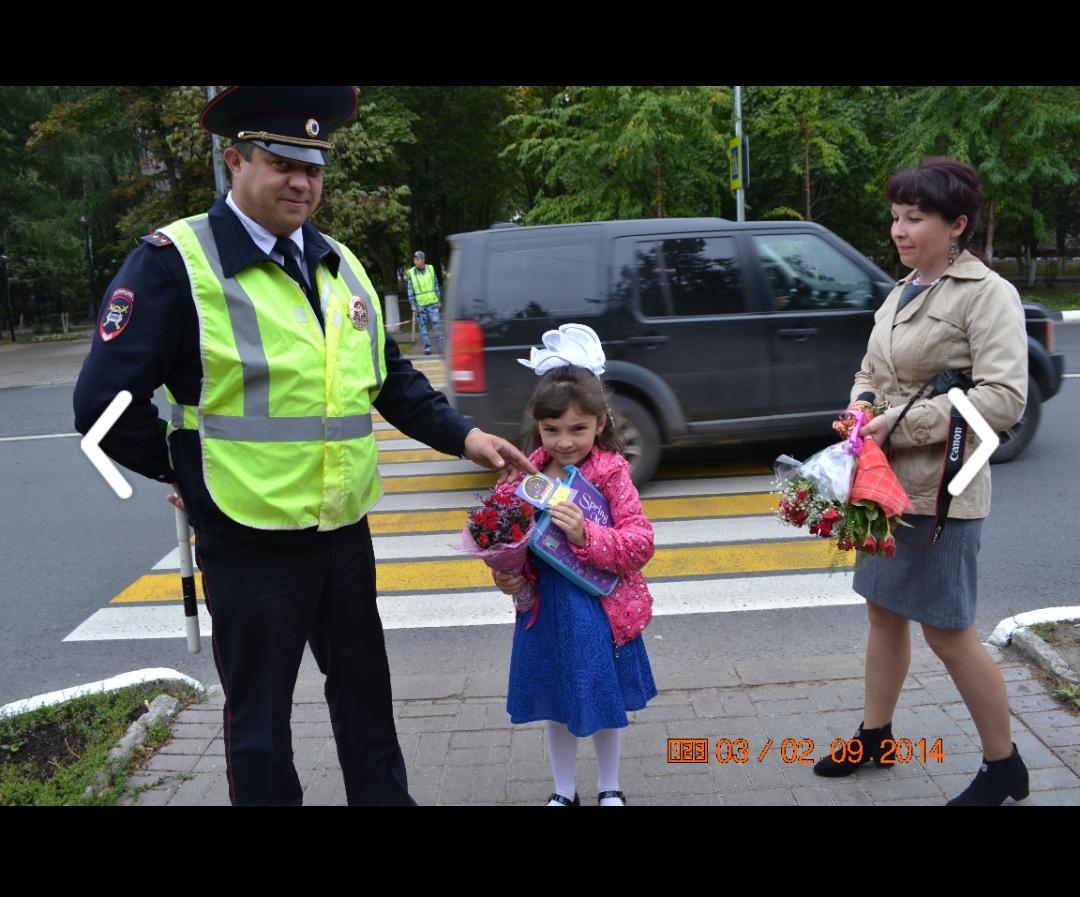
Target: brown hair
569,386
942,185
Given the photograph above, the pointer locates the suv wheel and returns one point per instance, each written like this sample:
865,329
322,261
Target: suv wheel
641,438
1016,438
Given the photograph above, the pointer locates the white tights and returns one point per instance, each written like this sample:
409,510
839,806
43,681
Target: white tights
562,750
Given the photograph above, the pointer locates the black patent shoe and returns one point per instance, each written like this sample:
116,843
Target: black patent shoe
872,741
565,801
606,794
995,781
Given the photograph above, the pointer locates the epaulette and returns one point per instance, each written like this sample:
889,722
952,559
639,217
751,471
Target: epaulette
157,238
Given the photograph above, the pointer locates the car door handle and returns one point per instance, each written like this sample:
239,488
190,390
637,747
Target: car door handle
654,339
799,334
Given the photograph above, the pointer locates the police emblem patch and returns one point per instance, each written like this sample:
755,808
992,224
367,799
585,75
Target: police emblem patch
359,313
116,314
312,127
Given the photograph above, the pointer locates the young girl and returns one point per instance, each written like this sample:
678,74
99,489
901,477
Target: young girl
579,661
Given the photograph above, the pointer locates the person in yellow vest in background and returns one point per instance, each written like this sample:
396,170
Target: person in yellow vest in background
424,297
268,337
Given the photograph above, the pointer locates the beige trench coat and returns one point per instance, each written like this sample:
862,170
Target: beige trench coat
971,321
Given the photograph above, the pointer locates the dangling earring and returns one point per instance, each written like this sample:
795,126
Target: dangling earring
954,251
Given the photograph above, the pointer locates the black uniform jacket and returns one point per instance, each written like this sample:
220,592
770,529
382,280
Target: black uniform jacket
156,341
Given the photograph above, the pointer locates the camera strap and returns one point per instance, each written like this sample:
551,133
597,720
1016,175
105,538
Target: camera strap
955,442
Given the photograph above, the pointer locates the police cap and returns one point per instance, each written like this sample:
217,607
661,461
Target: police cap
292,122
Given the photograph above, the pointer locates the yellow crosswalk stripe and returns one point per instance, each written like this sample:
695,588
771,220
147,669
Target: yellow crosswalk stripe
380,435
485,479
705,506
439,482
735,468
414,455
156,587
469,573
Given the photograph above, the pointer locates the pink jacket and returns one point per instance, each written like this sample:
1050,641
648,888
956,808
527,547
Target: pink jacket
623,548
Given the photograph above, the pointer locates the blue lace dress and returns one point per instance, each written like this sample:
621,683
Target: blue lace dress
566,668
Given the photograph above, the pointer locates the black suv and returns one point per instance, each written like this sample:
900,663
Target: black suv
715,331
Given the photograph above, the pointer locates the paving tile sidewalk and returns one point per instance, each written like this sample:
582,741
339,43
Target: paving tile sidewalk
460,748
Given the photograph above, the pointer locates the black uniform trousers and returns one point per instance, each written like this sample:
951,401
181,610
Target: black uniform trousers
266,601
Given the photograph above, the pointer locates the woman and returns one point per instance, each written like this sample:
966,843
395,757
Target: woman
950,313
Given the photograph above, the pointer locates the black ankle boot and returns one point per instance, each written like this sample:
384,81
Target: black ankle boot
995,781
872,749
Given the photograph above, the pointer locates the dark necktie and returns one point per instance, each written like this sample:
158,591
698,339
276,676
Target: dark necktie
288,249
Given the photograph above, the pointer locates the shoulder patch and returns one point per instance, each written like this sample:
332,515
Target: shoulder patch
157,238
117,312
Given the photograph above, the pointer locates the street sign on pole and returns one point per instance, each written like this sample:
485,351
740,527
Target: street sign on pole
735,157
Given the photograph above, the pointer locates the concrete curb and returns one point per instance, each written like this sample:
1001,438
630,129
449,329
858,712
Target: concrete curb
1042,654
161,709
1004,630
136,677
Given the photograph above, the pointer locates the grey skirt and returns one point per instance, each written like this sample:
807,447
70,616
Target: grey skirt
934,584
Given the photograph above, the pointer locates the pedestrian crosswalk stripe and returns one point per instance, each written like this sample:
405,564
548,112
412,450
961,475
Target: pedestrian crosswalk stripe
398,500
408,455
381,434
470,573
438,469
491,607
439,482
713,469
705,506
666,532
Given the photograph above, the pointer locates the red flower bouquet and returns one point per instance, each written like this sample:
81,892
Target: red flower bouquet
497,532
862,516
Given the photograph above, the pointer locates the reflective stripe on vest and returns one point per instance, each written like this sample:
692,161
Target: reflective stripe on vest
284,411
423,286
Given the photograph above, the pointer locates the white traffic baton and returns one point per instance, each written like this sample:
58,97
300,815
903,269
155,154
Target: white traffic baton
187,579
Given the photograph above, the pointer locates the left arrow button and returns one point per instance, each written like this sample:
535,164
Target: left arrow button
90,444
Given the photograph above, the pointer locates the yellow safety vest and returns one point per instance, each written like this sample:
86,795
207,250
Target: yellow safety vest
423,285
285,411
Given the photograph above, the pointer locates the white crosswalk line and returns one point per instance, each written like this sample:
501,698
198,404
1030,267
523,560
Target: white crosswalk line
397,445
427,501
667,532
427,468
491,607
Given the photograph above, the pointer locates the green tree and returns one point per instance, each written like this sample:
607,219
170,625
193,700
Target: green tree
457,178
1019,139
365,194
626,152
810,145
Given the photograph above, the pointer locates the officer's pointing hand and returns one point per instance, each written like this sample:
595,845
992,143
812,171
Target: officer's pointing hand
496,453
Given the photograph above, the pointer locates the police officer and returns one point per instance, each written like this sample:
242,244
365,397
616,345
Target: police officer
268,338
424,297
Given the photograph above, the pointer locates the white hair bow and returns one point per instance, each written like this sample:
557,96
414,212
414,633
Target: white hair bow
571,344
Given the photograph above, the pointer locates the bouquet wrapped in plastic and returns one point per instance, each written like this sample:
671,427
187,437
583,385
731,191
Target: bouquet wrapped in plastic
497,532
847,492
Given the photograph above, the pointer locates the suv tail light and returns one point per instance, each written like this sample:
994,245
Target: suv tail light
467,360
1049,336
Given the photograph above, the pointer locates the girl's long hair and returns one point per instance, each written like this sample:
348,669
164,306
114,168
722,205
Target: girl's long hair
566,387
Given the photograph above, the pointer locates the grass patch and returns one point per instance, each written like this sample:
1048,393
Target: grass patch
1051,300
1045,631
1070,694
26,337
50,756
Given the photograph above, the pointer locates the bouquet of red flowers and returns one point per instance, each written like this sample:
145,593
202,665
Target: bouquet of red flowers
861,513
498,532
